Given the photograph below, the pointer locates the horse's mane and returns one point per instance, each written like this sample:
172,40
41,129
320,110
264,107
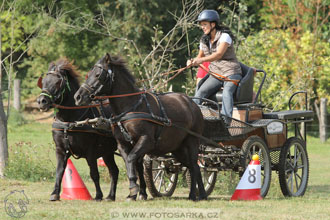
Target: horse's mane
65,64
120,64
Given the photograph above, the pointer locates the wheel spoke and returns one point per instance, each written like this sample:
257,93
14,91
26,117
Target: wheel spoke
297,185
297,175
160,183
294,155
301,166
292,174
157,175
253,150
290,157
290,164
299,158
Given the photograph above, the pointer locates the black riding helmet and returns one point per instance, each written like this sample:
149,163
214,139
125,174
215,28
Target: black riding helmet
209,15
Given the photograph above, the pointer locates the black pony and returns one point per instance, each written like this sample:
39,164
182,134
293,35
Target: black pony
145,123
58,87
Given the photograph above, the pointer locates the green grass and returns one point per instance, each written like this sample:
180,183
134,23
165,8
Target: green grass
35,139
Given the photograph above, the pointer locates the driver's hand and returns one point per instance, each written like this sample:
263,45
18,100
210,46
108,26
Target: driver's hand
189,62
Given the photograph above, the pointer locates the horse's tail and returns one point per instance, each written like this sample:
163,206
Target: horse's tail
197,117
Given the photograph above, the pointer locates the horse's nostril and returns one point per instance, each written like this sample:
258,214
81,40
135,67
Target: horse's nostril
44,101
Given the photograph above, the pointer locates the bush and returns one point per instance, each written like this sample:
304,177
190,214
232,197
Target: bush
293,63
26,163
15,118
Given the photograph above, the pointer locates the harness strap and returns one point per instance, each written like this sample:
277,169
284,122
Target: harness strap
147,117
133,116
219,76
70,127
81,131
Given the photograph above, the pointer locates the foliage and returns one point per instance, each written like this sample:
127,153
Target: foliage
16,118
142,33
292,64
12,31
301,15
26,163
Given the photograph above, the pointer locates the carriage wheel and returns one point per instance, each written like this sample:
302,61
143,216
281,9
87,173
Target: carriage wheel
293,168
159,179
209,178
255,145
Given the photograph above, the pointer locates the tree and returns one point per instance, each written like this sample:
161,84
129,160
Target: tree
15,33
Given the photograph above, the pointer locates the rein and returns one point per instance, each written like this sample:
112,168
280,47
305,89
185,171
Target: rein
168,73
178,71
78,107
219,76
122,95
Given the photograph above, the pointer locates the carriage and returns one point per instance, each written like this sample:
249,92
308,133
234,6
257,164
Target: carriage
169,126
279,138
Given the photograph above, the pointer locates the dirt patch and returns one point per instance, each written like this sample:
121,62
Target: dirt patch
38,116
32,112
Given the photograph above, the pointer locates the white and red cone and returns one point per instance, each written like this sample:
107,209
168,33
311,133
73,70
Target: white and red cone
73,186
249,186
101,163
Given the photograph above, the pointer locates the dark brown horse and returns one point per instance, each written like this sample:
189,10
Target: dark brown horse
141,124
58,87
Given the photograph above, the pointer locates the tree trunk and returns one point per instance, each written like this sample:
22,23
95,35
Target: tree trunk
17,94
3,138
323,120
3,123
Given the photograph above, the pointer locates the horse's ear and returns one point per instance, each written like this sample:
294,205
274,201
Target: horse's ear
107,58
40,82
51,66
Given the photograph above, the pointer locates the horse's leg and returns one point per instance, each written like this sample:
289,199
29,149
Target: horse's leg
124,151
193,149
94,173
62,160
183,156
143,145
143,193
113,171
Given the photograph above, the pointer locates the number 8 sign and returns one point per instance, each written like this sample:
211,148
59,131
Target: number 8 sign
250,184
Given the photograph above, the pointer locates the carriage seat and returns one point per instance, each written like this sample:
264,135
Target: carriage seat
244,91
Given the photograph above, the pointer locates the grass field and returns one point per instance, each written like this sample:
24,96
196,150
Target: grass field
31,144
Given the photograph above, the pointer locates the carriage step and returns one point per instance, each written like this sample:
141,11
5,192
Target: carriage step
290,114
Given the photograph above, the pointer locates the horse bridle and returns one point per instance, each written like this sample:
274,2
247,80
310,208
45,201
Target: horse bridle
106,76
61,90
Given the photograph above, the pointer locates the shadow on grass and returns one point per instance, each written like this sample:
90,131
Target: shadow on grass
319,189
185,198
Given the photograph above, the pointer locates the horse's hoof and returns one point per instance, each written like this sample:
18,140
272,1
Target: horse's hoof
134,191
143,197
97,199
131,198
192,198
110,199
54,197
202,198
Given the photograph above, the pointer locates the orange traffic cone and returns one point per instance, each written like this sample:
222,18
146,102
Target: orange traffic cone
73,186
249,186
100,162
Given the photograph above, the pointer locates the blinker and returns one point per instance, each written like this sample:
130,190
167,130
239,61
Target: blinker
40,82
